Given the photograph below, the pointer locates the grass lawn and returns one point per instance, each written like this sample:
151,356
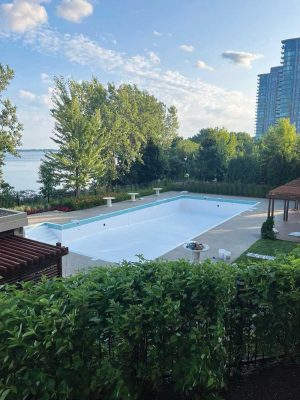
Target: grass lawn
269,248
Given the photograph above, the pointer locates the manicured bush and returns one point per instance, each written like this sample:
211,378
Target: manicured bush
116,333
121,333
267,229
265,316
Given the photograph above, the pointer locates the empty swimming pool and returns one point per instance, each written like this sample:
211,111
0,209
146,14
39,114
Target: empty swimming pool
150,229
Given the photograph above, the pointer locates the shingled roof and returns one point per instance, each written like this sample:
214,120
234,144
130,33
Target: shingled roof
289,191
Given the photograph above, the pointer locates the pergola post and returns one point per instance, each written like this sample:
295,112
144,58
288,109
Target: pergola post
269,208
59,261
286,210
273,202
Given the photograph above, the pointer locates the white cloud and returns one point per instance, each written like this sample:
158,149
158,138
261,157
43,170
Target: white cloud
202,65
26,95
187,47
74,10
76,48
22,15
156,33
38,125
154,57
199,104
241,58
46,98
35,99
45,77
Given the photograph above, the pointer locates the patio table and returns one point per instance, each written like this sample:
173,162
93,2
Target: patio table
109,201
133,198
157,190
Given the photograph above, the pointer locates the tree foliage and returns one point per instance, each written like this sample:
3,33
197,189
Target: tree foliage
150,167
101,132
278,152
217,147
47,179
80,158
10,127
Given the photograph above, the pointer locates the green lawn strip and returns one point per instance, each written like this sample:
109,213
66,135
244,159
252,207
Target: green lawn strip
269,248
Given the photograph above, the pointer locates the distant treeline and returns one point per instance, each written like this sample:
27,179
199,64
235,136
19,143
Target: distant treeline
122,135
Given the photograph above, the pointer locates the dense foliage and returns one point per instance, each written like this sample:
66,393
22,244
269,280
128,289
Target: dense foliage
10,128
102,131
226,188
212,155
121,333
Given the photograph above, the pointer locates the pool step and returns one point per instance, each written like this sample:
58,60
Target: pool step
42,234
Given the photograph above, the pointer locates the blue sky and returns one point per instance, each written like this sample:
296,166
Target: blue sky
203,56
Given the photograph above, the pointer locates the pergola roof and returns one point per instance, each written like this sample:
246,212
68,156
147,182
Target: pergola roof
289,191
18,255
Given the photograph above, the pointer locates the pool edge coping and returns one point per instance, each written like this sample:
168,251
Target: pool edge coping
99,217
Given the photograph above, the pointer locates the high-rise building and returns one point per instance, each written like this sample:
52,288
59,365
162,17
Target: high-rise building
267,100
278,93
289,99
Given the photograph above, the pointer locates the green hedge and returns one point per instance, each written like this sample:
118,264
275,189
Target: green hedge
264,317
225,188
77,203
87,201
120,333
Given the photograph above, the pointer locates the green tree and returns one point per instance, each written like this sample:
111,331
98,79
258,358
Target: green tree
47,178
278,153
186,152
187,148
151,166
245,144
134,119
80,158
244,169
217,147
130,120
10,128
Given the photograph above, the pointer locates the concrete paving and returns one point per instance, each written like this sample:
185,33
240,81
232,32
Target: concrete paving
59,217
234,235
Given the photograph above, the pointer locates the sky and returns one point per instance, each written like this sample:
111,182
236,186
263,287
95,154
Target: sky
203,56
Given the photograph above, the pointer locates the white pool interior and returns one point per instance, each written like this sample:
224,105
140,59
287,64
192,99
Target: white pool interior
150,230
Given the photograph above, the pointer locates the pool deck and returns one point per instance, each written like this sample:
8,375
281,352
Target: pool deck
234,235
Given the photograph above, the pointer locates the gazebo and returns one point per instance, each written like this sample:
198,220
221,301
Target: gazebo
288,192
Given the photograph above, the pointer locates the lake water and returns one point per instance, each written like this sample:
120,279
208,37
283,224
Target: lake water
22,172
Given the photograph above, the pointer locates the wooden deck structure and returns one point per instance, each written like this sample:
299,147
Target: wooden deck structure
23,259
288,192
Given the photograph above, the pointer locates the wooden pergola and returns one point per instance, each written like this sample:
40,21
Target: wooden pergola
288,192
23,259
